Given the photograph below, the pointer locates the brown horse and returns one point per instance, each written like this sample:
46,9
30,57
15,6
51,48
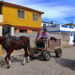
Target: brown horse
11,45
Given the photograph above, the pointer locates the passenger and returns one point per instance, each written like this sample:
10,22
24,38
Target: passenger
38,37
45,34
45,37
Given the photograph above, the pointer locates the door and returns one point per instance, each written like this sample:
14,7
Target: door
6,30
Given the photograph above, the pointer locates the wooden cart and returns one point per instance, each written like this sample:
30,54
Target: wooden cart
53,46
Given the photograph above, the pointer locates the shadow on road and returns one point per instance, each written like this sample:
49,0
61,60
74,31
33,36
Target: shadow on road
2,63
66,63
13,60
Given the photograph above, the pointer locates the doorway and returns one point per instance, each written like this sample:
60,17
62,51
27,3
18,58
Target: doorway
6,29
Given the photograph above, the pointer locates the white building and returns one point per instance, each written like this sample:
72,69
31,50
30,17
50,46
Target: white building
60,31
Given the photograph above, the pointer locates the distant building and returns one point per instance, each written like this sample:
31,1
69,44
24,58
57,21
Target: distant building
61,31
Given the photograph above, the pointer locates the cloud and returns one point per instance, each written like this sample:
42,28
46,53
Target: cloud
56,13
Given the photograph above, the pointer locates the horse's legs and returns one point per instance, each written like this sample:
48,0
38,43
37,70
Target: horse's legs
7,58
26,56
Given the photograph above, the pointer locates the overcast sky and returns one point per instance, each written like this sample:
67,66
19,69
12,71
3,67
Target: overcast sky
60,11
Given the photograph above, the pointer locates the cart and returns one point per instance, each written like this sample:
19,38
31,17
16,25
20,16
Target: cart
53,46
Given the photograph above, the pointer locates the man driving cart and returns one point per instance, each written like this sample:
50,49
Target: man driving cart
42,39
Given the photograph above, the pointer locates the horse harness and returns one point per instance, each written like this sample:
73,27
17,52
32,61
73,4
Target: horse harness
7,41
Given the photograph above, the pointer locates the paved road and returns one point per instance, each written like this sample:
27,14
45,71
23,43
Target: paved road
56,66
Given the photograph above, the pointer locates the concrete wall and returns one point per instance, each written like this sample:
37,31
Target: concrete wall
65,37
12,31
53,28
31,36
55,34
0,30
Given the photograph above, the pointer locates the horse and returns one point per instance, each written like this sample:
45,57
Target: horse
11,45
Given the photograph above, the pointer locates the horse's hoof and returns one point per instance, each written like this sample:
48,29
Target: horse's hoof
8,67
27,61
23,63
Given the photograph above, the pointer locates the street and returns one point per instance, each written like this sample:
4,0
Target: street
56,66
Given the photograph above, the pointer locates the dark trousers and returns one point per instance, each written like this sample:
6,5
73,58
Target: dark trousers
40,44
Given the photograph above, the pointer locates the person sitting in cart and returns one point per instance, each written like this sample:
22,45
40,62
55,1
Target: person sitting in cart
38,37
45,33
45,37
42,38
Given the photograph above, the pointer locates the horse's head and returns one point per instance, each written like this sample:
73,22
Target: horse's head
2,39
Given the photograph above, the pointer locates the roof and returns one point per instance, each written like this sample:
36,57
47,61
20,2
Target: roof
19,6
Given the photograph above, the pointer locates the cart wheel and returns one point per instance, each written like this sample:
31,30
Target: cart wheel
58,52
46,55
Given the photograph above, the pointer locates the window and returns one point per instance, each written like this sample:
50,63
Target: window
6,30
21,14
35,17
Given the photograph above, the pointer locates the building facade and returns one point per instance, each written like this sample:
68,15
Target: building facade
23,19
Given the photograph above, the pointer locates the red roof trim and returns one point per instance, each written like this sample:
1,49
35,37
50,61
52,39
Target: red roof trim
19,6
25,28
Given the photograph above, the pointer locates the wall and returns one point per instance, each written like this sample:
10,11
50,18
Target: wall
31,37
0,30
12,31
53,28
71,38
67,28
65,38
1,18
57,35
10,16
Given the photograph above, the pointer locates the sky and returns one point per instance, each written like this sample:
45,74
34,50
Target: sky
60,11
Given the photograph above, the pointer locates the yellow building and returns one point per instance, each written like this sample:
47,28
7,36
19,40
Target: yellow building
22,18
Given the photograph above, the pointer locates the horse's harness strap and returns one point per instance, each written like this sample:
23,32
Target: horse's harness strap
6,42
